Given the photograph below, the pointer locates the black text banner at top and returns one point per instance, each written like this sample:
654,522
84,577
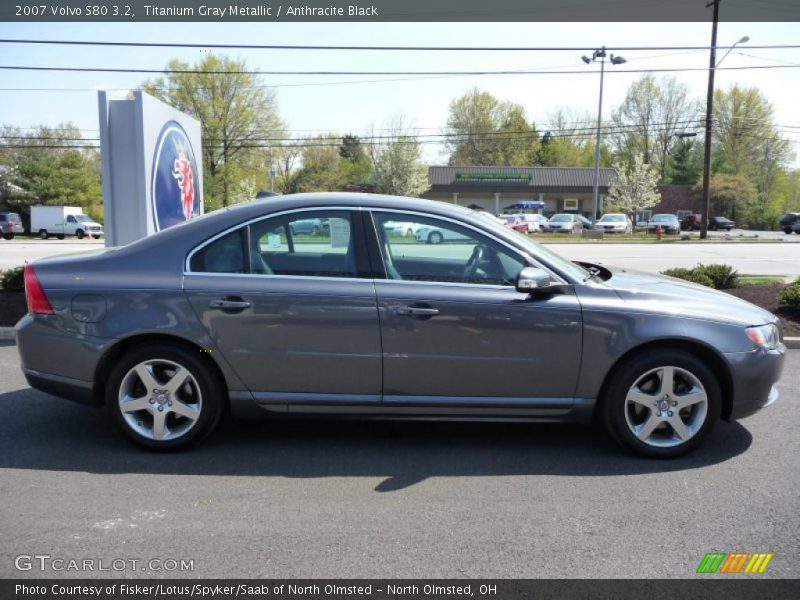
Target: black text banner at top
393,10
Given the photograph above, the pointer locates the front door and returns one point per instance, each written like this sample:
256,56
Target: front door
454,329
289,304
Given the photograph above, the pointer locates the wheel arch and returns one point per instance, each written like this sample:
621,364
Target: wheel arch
706,353
122,346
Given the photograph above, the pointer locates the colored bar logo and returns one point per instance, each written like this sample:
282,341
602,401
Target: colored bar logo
734,562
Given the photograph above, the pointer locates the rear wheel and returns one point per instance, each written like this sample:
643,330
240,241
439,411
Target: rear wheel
43,234
662,404
8,236
164,397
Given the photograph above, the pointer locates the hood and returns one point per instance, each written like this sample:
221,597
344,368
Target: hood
659,293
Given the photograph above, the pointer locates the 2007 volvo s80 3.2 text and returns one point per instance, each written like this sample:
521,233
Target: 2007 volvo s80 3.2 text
239,308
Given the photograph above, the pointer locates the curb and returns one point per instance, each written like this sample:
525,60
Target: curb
7,335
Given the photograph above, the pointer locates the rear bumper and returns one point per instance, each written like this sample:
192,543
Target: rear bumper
754,377
63,387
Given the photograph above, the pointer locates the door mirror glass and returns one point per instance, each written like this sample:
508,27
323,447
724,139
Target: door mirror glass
532,279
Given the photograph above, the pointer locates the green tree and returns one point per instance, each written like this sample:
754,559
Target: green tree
236,115
351,148
635,187
734,196
482,130
569,141
686,162
38,171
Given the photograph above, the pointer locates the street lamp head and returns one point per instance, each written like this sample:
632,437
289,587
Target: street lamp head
744,40
617,60
586,59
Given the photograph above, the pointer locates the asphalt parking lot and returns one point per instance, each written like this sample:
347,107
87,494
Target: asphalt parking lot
376,499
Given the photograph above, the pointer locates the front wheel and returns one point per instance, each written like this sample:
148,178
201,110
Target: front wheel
435,237
79,234
164,397
662,404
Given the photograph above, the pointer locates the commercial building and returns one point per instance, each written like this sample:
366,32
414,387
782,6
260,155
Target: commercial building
548,190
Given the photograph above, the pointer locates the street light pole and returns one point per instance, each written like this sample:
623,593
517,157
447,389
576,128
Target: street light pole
596,182
712,65
615,60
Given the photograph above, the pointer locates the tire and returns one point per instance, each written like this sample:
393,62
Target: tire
787,231
43,234
200,399
79,234
638,427
435,237
8,236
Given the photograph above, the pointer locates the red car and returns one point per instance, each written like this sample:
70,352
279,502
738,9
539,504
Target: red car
515,222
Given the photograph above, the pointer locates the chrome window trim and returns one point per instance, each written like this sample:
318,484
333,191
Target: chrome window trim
527,258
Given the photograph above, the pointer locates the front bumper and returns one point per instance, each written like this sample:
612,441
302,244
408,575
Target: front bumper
755,375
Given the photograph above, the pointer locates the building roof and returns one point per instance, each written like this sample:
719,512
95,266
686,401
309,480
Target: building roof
536,179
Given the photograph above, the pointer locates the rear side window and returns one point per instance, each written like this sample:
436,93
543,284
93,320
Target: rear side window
225,255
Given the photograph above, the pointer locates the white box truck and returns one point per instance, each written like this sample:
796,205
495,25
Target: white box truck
61,221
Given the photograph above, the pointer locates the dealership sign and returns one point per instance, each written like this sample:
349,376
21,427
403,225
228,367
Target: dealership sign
152,172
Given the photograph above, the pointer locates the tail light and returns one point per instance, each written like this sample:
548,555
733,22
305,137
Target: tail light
38,304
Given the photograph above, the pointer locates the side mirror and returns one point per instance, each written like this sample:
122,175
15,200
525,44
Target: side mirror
532,279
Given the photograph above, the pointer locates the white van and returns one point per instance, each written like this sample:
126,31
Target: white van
61,221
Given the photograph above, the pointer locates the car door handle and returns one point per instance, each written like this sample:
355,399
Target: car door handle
420,312
229,304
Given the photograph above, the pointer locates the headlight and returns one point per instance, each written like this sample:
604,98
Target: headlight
766,336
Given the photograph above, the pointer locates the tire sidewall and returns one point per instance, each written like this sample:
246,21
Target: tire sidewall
627,374
210,387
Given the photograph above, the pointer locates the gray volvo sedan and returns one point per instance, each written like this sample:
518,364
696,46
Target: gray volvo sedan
245,308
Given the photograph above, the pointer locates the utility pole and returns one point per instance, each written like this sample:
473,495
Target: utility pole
712,65
596,182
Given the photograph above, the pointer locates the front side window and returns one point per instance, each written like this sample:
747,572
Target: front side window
443,251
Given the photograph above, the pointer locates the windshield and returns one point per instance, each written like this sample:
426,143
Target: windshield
664,218
560,218
83,218
613,218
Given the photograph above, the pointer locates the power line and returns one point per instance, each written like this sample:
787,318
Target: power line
378,48
387,73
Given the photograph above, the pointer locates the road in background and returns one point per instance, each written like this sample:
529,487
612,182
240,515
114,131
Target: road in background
375,499
753,259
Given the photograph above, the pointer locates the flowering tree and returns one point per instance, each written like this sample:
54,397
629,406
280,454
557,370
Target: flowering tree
635,189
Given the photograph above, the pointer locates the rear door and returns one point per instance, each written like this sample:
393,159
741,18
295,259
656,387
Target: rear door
294,313
456,332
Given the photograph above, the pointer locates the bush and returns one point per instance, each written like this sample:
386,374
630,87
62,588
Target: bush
723,277
789,298
692,275
13,280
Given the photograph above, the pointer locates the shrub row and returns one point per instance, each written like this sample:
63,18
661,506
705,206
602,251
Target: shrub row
719,277
789,298
13,280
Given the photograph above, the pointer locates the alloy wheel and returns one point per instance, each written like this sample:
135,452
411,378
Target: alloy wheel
666,406
160,399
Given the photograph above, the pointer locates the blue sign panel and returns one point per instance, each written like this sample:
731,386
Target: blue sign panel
175,193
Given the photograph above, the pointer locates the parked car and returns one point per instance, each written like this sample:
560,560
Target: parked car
796,226
10,225
437,235
614,223
62,221
692,222
173,331
668,223
788,221
716,223
563,223
585,223
515,222
536,222
310,226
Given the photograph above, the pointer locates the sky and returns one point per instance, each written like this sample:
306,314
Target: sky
423,102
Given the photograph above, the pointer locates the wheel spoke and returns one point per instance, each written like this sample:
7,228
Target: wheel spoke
679,427
667,380
129,404
640,398
146,376
184,410
177,380
160,430
646,429
694,396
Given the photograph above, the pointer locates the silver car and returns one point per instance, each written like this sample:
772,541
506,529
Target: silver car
232,311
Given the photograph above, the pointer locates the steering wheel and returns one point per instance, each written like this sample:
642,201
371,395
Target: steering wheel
472,264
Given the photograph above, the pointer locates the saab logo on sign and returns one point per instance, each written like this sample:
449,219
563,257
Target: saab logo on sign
175,193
